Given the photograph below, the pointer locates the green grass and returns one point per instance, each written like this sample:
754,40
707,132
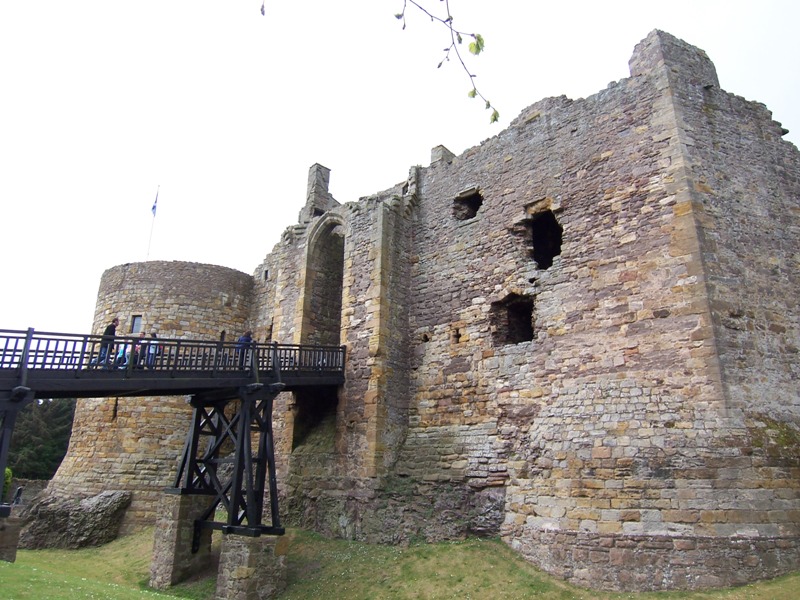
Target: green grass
333,570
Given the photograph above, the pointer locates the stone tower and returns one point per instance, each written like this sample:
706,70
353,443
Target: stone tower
581,335
134,444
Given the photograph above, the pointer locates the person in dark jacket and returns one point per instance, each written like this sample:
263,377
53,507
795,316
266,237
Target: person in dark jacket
107,344
243,345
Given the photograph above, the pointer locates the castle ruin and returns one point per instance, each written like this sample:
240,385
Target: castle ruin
580,335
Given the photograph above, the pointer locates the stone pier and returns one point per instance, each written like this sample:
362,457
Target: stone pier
251,568
173,560
9,537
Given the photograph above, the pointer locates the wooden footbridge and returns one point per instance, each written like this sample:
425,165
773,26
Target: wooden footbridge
212,374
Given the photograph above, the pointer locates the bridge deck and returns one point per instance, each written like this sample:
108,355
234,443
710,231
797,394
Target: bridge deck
56,365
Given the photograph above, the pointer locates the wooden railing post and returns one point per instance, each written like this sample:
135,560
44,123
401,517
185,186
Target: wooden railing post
23,372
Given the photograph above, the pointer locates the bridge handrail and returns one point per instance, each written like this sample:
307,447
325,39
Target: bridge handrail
26,350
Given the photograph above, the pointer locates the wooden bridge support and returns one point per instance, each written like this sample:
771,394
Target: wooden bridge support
10,405
228,465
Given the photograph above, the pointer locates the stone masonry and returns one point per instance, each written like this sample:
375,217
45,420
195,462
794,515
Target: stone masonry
581,335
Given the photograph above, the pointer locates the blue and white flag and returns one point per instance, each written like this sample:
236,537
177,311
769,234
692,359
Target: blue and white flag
155,203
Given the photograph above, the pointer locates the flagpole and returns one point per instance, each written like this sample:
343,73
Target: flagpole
152,223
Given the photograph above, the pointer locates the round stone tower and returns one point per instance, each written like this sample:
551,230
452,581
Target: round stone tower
133,444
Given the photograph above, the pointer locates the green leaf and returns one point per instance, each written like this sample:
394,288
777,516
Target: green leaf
458,38
495,116
472,93
476,47
488,105
398,16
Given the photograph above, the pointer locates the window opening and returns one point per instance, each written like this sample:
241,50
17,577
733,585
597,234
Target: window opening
546,236
467,204
512,320
136,324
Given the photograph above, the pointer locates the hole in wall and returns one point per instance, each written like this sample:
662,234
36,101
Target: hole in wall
512,320
467,204
456,335
324,284
546,236
315,418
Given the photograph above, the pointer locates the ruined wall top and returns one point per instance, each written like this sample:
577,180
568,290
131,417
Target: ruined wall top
660,50
318,199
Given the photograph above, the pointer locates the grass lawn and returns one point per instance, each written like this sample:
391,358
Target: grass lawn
333,570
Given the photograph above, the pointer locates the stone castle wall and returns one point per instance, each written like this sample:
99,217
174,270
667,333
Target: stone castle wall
580,335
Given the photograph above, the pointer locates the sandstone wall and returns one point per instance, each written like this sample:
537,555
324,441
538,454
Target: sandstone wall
746,185
614,422
364,427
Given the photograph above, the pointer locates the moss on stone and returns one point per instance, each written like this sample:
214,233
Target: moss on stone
775,437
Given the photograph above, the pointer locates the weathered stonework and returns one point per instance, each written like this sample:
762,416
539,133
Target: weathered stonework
581,335
10,528
173,558
251,568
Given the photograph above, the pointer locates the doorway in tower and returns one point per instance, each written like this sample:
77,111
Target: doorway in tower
314,409
322,305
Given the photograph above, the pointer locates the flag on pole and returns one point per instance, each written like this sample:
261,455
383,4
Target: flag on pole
155,203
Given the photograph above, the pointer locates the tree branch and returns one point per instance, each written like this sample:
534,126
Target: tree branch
456,39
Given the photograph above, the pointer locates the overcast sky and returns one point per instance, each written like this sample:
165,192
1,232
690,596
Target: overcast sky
225,109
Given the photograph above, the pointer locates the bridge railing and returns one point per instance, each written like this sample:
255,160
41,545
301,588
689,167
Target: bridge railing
27,350
45,350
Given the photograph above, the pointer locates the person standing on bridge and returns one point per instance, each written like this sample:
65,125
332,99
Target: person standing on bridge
107,344
139,351
153,350
243,347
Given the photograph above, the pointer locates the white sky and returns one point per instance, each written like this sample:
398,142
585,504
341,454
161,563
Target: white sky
102,102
